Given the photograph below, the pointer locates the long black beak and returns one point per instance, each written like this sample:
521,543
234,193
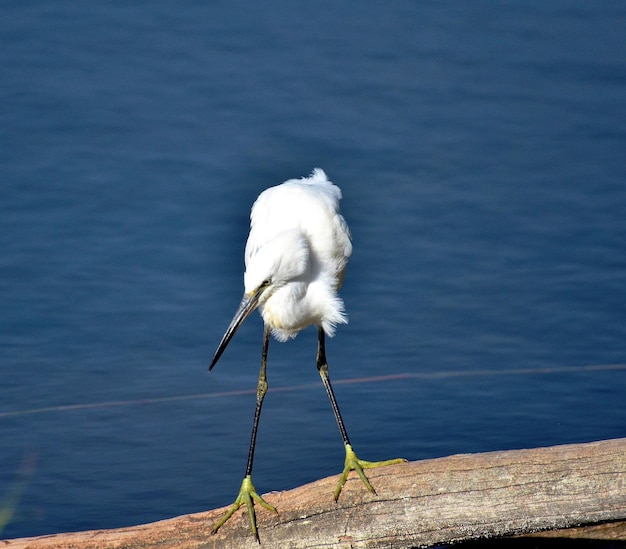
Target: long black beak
247,305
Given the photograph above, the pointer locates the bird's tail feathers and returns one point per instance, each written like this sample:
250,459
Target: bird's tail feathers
318,176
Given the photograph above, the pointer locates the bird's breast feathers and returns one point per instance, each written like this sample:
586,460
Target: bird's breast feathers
293,308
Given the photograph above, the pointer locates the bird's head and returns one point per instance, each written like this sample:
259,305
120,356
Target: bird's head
283,259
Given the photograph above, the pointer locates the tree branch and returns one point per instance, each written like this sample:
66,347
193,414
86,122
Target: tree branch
420,503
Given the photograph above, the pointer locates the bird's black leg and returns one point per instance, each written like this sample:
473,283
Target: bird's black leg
247,492
352,462
261,389
322,368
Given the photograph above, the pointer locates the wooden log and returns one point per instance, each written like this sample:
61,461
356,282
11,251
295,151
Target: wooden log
610,531
420,503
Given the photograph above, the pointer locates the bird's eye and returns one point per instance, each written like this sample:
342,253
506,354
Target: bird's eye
266,283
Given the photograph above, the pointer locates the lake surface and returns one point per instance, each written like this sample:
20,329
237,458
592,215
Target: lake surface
480,149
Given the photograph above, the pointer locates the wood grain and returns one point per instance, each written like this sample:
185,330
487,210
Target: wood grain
420,503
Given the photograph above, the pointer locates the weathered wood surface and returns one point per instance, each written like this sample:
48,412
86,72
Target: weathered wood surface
418,504
603,531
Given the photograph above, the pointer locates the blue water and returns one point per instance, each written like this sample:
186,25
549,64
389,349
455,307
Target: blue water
480,148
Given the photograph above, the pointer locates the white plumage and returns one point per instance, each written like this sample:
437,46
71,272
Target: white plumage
300,242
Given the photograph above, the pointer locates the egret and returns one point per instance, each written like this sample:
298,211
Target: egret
295,257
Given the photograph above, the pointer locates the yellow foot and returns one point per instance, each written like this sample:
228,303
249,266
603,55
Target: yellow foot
247,493
353,463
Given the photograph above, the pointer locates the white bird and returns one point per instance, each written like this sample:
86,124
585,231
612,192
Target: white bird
295,257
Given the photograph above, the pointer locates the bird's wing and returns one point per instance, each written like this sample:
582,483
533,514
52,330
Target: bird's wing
310,205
